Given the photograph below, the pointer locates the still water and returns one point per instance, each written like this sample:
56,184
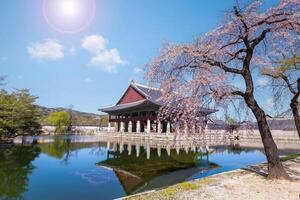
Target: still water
70,170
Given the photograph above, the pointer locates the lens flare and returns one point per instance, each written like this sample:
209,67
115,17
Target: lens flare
69,8
69,16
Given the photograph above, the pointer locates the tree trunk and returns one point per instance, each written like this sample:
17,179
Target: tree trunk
275,167
295,111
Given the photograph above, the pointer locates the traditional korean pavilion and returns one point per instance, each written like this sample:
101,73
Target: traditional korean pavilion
137,109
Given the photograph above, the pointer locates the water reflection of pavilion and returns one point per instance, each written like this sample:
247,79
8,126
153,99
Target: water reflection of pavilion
116,147
142,167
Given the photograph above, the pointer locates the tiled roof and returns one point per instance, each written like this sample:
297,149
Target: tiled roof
152,94
122,106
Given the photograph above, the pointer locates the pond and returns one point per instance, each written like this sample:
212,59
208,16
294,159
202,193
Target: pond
65,169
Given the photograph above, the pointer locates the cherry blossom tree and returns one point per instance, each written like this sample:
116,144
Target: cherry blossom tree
200,73
285,80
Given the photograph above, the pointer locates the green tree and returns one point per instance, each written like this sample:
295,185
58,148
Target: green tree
61,120
18,114
104,120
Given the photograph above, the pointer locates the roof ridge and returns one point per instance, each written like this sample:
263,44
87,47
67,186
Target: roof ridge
123,104
145,86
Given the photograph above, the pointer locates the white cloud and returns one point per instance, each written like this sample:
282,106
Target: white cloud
50,49
103,57
107,60
94,43
262,82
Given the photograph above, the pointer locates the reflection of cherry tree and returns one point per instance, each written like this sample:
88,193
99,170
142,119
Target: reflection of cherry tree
199,74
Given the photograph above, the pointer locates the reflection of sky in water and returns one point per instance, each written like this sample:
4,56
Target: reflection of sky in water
76,179
79,177
95,176
230,161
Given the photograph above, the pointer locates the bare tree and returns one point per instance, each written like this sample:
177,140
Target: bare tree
199,73
285,76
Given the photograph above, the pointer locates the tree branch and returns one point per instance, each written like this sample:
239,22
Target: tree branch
239,93
260,38
283,77
223,66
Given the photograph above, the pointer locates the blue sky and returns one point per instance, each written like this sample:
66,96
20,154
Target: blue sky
92,67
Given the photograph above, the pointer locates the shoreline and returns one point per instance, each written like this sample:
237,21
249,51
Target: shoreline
231,184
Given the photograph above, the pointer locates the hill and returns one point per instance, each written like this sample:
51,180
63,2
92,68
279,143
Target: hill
78,117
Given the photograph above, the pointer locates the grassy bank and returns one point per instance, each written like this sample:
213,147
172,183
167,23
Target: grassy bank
237,184
290,156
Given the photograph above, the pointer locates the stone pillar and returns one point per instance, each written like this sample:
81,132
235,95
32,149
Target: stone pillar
158,127
201,149
108,145
115,147
122,127
177,150
130,127
168,150
109,127
159,151
185,129
148,126
186,149
168,128
148,151
138,126
116,127
121,147
193,148
129,149
137,148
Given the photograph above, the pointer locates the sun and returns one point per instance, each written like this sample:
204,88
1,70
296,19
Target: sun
69,8
69,16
